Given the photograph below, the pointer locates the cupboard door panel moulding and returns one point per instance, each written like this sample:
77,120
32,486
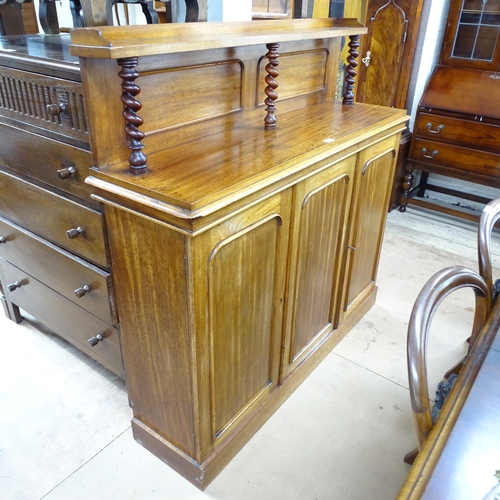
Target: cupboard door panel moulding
321,211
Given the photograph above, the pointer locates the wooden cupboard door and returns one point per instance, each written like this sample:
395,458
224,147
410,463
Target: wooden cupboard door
243,261
386,42
321,207
391,41
373,185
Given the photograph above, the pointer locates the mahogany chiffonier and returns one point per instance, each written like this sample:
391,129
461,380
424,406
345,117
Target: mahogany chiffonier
244,210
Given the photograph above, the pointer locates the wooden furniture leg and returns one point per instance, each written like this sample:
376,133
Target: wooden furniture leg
407,185
422,186
11,310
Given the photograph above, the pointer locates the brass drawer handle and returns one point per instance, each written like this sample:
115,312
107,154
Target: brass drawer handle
93,341
65,173
73,233
3,239
56,109
432,155
80,292
14,286
429,128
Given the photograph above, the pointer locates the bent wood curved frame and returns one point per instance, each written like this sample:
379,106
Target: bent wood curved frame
442,284
489,216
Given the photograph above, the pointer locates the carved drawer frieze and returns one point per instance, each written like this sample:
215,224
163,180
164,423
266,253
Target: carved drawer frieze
50,103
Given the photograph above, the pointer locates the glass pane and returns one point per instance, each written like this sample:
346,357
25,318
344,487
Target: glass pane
464,43
478,30
486,42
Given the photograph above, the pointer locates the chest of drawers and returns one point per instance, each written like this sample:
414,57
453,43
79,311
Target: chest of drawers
456,133
53,252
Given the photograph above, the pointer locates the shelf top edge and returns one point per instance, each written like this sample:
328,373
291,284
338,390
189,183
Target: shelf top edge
115,42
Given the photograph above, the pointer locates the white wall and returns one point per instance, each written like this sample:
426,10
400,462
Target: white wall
429,40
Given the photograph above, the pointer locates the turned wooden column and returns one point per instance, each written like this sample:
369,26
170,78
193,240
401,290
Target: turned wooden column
272,73
137,159
350,70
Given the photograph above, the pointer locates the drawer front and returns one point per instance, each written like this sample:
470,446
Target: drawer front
77,280
51,216
476,134
45,102
52,162
66,319
466,159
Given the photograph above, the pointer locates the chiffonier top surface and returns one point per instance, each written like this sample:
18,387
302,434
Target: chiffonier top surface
463,90
219,168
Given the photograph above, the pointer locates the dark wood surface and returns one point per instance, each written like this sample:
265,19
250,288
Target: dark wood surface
459,460
216,249
456,132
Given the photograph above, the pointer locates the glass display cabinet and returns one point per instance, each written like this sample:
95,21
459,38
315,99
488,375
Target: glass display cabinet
473,34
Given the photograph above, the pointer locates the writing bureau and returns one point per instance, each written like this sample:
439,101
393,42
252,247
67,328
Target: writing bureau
457,122
243,240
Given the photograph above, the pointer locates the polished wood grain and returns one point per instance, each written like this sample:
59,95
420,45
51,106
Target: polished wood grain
391,40
439,286
459,458
229,254
41,158
388,28
455,134
60,270
462,90
450,130
469,161
322,200
376,166
51,216
65,318
113,42
53,104
161,388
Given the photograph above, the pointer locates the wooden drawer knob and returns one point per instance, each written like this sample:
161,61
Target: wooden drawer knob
65,173
3,239
93,341
73,233
14,286
55,109
80,292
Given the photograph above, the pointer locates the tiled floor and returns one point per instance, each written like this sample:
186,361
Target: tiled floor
64,420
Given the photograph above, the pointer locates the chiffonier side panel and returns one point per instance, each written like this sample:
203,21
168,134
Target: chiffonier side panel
375,169
321,229
151,288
